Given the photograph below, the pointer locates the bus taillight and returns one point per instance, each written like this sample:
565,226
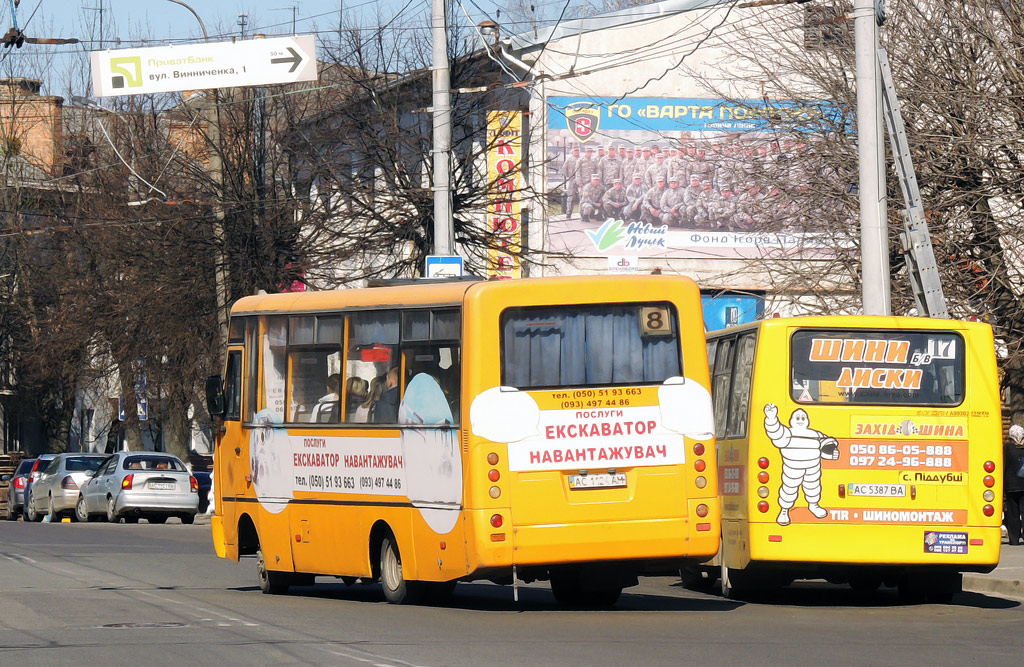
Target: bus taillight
700,482
493,475
492,458
762,462
496,520
495,492
989,481
989,495
698,449
990,466
702,510
763,477
762,506
988,510
699,465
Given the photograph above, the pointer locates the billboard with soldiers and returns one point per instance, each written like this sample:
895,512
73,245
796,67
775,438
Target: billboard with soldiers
688,177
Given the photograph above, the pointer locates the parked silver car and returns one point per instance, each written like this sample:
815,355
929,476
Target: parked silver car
134,485
38,467
55,491
16,489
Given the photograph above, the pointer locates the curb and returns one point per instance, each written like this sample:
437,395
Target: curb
978,583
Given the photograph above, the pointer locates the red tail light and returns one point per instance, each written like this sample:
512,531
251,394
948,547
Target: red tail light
699,465
763,462
762,506
698,449
126,483
988,510
990,466
194,484
19,482
493,475
68,483
989,481
496,521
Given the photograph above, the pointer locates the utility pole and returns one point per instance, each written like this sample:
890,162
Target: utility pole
442,131
874,236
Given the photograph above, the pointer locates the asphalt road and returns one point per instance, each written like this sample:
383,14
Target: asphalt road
157,595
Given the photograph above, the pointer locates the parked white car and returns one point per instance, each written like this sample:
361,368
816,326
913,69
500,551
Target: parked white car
55,491
134,485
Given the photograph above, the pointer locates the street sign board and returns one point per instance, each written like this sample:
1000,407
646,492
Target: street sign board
444,266
164,69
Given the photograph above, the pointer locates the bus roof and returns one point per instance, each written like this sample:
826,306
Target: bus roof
420,294
851,321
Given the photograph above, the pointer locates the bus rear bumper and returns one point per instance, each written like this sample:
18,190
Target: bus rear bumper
908,545
651,539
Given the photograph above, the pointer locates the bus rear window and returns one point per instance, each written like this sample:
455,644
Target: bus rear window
881,367
600,344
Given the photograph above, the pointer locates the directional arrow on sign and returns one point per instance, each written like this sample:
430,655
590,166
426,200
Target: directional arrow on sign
294,60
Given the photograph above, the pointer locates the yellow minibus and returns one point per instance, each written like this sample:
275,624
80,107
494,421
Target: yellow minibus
862,450
423,434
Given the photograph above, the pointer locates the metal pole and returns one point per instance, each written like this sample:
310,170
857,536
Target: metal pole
873,237
443,236
216,173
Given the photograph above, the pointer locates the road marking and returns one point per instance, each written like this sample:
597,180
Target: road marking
372,659
19,558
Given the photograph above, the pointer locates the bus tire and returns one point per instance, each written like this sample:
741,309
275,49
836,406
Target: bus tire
696,579
271,583
569,591
396,589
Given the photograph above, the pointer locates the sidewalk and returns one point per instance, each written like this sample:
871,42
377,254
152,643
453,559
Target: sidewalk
1007,579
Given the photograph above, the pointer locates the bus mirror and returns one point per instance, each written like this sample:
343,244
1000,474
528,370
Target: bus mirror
215,396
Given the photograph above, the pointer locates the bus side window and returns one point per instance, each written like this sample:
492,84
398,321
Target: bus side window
371,352
233,387
252,371
739,399
720,384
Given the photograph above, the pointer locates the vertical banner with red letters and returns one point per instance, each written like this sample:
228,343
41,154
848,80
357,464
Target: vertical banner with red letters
505,182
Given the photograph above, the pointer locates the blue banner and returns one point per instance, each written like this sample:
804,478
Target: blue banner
584,116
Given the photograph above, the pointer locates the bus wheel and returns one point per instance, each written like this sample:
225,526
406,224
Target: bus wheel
865,583
271,583
396,589
696,579
569,591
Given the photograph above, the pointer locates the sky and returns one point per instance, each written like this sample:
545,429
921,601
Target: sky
134,23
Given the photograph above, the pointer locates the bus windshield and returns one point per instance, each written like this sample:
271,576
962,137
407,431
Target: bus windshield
880,367
589,345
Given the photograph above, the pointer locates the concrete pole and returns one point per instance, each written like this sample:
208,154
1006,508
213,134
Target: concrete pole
216,173
874,247
443,233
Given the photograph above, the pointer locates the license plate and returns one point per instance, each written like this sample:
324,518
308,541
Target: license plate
877,490
598,481
162,486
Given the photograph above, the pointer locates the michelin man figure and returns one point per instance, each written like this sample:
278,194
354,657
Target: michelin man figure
802,450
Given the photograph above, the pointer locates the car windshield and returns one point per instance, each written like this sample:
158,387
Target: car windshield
153,463
24,467
83,463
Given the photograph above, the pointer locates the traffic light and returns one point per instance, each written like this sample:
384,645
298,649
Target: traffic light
13,37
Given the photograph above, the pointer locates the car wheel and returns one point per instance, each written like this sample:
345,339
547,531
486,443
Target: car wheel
271,583
111,512
80,512
11,516
53,514
31,514
187,518
396,589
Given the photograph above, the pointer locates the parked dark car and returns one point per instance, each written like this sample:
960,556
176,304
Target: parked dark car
16,489
205,481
